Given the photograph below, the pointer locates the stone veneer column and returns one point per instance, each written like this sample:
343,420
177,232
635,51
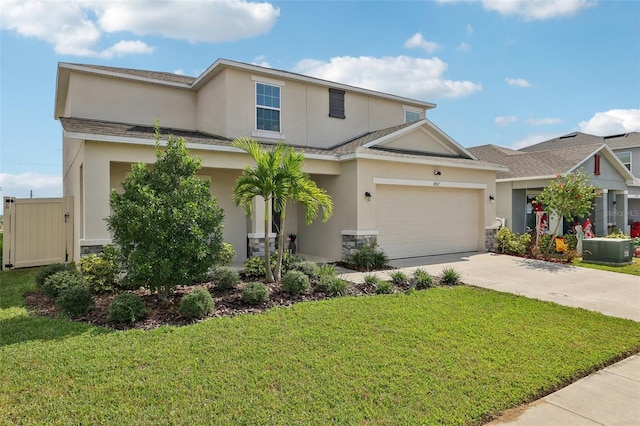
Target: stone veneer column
255,243
491,238
352,241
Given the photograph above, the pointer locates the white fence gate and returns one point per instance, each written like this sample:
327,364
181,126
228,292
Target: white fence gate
37,231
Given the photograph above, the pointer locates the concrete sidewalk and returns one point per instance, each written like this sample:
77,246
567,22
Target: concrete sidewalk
610,396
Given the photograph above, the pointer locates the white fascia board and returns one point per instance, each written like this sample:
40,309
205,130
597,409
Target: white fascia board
358,233
431,162
429,183
520,179
126,76
190,145
613,159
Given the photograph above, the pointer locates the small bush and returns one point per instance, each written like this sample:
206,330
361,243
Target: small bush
61,280
450,276
514,243
101,271
307,267
422,279
254,267
323,284
47,271
225,277
295,282
337,287
226,255
127,307
326,270
384,287
369,257
399,278
75,301
371,279
197,304
255,293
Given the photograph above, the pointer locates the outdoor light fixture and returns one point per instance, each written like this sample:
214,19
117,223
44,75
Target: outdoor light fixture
492,198
368,195
437,172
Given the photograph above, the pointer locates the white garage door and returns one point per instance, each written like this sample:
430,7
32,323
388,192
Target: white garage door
421,221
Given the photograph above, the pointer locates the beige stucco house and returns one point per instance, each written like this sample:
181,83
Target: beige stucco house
393,175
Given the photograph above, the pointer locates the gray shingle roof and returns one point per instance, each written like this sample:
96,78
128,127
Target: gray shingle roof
102,129
153,75
536,163
626,140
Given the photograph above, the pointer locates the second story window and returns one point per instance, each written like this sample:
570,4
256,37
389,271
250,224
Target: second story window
411,116
625,158
267,107
336,103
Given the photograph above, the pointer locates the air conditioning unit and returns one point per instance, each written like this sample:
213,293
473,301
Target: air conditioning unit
607,251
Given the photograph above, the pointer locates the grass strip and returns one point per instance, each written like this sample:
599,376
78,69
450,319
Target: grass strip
440,356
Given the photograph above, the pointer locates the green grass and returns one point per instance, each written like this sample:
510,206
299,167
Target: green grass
633,269
440,356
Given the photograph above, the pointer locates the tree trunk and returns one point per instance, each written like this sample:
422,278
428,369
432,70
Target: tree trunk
553,237
267,259
278,272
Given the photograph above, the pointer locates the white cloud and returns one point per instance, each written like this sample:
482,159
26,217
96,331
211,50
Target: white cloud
76,27
412,77
464,47
543,121
517,82
612,122
533,9
505,120
261,61
418,41
20,185
469,29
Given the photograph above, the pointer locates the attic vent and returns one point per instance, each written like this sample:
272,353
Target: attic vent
616,136
571,135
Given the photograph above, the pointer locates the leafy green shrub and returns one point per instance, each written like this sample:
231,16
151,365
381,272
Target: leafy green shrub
337,287
295,282
101,271
127,307
225,277
399,278
255,293
618,234
307,267
75,301
254,267
197,304
422,279
47,271
384,287
323,284
369,257
227,254
514,243
61,280
371,279
450,276
326,270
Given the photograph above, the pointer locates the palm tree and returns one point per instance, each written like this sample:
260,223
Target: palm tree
266,180
299,187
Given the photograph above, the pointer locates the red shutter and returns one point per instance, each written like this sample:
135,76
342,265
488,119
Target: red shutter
596,163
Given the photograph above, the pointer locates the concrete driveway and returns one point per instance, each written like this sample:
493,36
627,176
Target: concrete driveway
608,397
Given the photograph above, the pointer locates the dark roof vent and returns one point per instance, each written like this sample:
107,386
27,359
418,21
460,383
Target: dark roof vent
570,135
617,136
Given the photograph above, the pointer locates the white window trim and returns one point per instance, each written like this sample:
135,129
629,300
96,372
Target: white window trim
630,158
406,108
259,133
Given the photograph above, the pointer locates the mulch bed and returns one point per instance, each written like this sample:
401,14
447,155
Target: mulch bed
228,303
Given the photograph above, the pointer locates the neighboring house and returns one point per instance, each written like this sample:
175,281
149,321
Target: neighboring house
606,161
393,175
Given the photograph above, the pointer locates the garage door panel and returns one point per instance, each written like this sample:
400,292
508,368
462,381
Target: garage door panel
419,221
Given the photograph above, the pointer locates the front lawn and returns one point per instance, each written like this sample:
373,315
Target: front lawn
447,355
633,269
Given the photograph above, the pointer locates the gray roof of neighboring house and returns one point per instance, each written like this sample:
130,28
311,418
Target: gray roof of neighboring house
537,163
625,140
153,75
85,128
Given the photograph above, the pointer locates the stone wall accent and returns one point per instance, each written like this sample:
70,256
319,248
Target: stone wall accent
255,245
353,241
491,239
87,250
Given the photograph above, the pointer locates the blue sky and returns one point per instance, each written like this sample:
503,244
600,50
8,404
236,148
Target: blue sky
509,72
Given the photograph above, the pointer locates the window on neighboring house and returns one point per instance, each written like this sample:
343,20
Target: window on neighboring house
267,107
625,158
410,116
336,103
